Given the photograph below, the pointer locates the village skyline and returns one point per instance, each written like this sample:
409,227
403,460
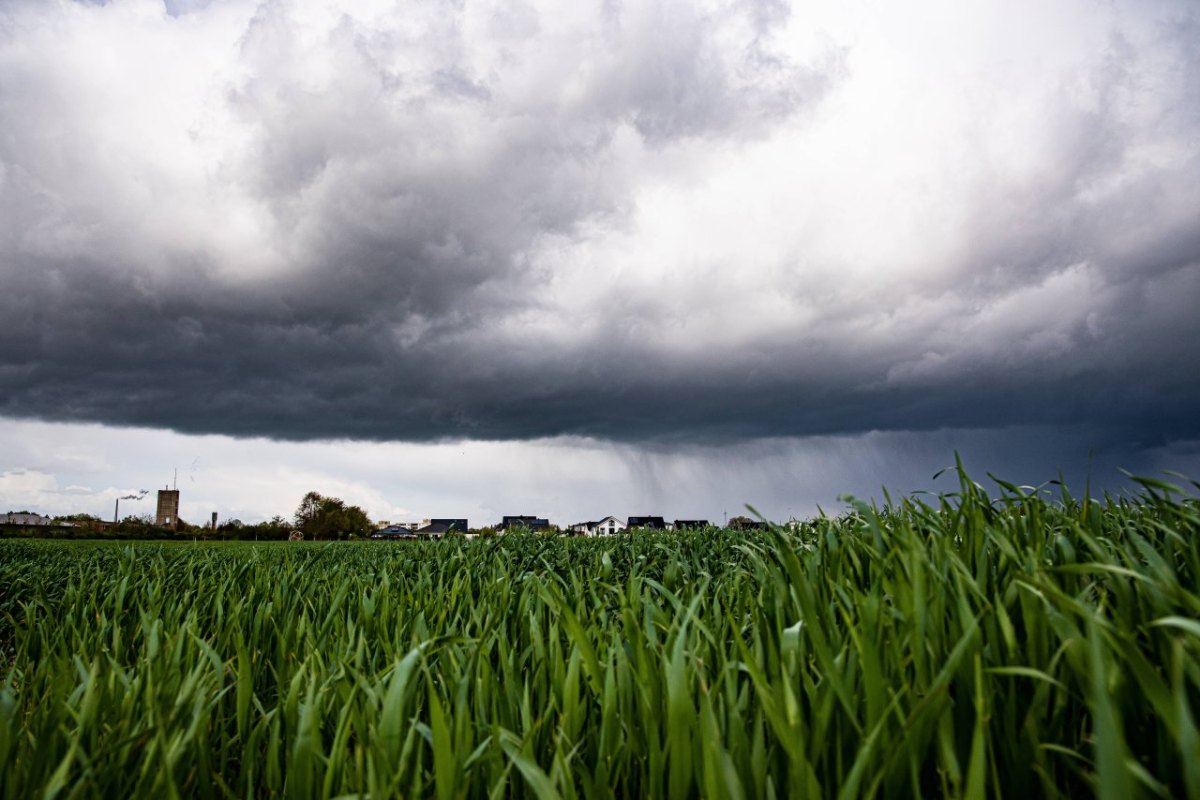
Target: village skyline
169,501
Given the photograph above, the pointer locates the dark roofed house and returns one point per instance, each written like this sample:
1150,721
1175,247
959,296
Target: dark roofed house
652,523
693,524
394,532
529,523
440,527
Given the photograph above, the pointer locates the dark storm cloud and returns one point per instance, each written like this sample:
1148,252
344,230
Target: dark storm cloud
300,224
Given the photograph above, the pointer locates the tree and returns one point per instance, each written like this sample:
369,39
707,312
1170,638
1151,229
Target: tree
80,524
308,511
77,518
320,517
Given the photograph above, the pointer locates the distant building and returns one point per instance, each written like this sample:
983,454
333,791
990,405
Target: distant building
529,523
399,526
167,515
651,523
689,524
440,527
400,531
607,526
25,519
442,521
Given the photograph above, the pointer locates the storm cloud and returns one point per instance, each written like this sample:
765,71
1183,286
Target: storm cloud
652,222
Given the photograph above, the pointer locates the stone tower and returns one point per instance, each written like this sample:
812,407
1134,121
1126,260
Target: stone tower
167,515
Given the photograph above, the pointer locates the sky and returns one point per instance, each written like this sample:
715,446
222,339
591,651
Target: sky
474,259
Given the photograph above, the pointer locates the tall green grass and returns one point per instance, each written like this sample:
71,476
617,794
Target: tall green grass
1012,645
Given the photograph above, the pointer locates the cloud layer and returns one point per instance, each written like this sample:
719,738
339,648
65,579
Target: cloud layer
665,222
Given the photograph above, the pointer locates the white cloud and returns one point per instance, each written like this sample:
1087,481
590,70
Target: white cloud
20,486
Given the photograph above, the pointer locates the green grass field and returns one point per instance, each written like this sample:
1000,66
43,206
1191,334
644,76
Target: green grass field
1011,645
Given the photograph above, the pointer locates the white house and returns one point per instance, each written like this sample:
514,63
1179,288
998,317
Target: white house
603,527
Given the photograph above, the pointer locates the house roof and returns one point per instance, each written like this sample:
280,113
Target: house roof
591,523
440,526
524,521
394,533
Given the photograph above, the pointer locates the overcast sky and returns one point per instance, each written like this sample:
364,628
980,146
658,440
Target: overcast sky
588,258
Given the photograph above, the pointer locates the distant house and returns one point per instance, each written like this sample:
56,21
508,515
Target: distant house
607,526
528,523
651,523
400,531
689,524
440,527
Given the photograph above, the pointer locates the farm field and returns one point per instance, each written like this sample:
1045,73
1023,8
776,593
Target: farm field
1002,644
